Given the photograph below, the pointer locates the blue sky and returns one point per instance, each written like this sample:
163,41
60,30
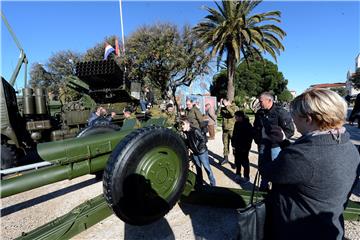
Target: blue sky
323,38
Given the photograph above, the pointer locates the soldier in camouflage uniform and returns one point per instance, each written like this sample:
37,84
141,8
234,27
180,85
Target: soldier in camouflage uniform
128,115
170,115
227,112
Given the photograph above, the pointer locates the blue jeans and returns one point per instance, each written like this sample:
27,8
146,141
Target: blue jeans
143,105
275,152
203,160
264,156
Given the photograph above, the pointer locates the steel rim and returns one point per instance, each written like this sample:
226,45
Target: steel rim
162,167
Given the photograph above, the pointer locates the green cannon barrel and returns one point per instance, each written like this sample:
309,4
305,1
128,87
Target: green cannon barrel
72,158
78,149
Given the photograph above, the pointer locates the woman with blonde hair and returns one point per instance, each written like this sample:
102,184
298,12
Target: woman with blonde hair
313,177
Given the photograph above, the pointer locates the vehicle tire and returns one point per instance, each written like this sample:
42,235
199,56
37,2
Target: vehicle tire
8,156
146,174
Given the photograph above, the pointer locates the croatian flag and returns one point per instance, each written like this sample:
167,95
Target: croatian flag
108,49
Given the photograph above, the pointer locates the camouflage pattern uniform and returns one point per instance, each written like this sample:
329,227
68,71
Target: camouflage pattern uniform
137,122
170,118
228,121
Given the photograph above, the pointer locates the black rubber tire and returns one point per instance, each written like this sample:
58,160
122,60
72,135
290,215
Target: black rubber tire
128,192
8,156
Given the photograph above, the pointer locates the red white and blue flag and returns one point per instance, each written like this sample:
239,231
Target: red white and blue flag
108,50
117,52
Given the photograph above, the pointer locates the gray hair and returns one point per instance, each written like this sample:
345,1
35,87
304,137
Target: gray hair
267,95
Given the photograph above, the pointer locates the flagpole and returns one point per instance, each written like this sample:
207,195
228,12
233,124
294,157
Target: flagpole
123,42
122,27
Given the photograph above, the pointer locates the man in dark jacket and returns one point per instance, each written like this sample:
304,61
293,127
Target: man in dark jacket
196,142
100,114
268,116
193,114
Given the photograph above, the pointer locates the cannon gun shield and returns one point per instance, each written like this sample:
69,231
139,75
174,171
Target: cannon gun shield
146,174
101,126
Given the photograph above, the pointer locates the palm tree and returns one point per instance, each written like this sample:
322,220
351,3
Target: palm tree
231,29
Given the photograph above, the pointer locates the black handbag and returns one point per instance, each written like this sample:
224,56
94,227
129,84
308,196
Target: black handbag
251,219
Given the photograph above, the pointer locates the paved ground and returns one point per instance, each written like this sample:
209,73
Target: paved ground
26,211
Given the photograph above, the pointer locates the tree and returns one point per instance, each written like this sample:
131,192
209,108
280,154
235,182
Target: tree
285,96
164,57
340,90
251,79
62,65
231,30
39,77
59,68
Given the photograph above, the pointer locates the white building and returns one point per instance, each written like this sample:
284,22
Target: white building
350,90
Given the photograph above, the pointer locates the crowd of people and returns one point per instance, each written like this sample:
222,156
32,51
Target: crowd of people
308,180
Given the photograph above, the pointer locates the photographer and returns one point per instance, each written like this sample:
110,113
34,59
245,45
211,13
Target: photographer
196,142
266,119
227,111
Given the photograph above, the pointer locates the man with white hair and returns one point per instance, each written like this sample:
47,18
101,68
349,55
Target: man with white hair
268,118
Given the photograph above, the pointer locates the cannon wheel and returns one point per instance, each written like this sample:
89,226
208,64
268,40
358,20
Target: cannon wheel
146,174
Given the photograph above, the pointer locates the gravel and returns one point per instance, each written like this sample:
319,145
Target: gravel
27,211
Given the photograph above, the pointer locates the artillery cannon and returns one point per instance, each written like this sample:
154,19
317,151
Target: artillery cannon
42,121
146,173
34,118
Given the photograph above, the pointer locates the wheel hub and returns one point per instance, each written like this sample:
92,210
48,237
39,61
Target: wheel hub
161,166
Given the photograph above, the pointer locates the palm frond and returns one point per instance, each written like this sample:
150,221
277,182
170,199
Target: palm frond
232,28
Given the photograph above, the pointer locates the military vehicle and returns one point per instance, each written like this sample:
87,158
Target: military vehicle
32,118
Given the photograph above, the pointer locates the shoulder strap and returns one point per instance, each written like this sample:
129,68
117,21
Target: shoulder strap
256,183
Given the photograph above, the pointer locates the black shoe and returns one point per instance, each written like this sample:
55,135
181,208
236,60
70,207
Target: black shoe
247,180
225,160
